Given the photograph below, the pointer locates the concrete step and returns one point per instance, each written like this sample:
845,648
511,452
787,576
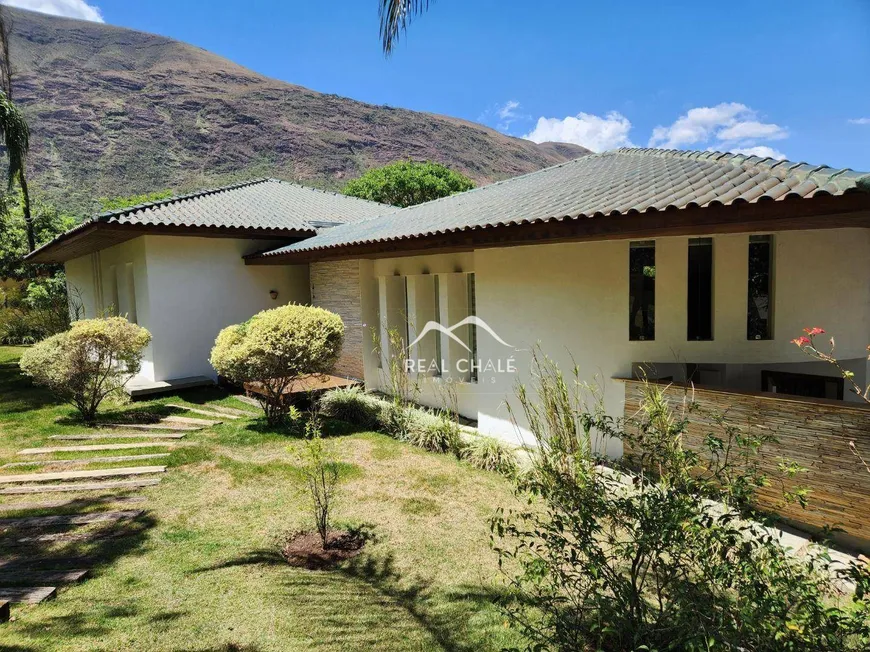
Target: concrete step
207,413
74,502
94,486
125,435
56,520
77,475
81,461
28,594
93,447
41,577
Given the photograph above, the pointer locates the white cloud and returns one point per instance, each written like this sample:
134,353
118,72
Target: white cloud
503,115
69,8
590,131
752,129
734,126
760,150
860,121
508,110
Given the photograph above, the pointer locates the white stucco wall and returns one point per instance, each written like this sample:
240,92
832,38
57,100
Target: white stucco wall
573,299
186,289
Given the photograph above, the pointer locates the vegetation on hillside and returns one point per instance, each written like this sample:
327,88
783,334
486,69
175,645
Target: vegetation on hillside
407,183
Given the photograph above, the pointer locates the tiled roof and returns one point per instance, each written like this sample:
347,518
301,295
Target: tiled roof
259,204
267,205
624,181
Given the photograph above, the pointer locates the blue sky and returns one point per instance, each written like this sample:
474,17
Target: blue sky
788,78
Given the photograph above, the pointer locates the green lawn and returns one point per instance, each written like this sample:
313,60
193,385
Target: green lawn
201,571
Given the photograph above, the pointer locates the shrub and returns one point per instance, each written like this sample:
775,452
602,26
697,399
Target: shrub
490,454
83,365
321,474
275,347
433,433
631,561
353,405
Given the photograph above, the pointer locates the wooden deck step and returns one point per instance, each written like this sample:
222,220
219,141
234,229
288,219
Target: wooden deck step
93,486
208,413
126,435
93,447
4,611
77,475
87,460
71,519
188,421
154,426
28,594
40,577
75,502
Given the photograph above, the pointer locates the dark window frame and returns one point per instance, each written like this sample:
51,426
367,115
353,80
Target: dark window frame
642,290
760,283
700,299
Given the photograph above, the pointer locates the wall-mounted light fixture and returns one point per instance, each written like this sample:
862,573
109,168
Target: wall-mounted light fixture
273,294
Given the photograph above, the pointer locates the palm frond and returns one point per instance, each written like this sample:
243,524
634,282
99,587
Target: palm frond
395,16
15,135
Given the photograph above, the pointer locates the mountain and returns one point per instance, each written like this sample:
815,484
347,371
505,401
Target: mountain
117,112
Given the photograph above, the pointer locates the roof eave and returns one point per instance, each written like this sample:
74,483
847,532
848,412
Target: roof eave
819,212
97,235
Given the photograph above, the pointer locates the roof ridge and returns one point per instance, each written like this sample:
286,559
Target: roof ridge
119,212
818,173
327,192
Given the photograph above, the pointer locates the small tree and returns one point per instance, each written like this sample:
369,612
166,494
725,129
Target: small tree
321,479
274,348
83,365
407,183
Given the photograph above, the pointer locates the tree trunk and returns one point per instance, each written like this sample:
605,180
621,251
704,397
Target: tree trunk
28,218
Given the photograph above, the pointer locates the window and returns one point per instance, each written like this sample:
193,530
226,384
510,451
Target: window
437,290
700,299
759,312
472,329
407,315
642,290
131,292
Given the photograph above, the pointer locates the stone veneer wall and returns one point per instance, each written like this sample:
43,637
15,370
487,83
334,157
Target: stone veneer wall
336,287
813,433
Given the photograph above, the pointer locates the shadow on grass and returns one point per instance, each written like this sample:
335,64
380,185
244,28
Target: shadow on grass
402,606
92,548
18,394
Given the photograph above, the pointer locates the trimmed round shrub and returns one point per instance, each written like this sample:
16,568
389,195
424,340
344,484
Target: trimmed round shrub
83,365
277,346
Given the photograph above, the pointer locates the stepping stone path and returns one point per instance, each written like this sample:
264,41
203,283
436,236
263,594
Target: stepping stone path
92,447
33,580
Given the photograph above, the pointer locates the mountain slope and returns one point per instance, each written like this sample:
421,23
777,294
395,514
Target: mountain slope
114,111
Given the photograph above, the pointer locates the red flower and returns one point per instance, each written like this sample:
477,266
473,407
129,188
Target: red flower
814,331
802,341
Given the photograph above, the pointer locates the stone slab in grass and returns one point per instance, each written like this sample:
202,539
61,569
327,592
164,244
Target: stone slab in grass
41,577
92,447
28,594
87,460
71,519
119,435
207,413
188,421
73,502
91,486
153,426
77,475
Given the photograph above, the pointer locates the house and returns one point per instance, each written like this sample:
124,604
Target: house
695,266
177,266
700,266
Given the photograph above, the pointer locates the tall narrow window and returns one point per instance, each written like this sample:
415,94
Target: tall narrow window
130,279
113,308
407,315
759,313
700,303
437,289
642,290
472,329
